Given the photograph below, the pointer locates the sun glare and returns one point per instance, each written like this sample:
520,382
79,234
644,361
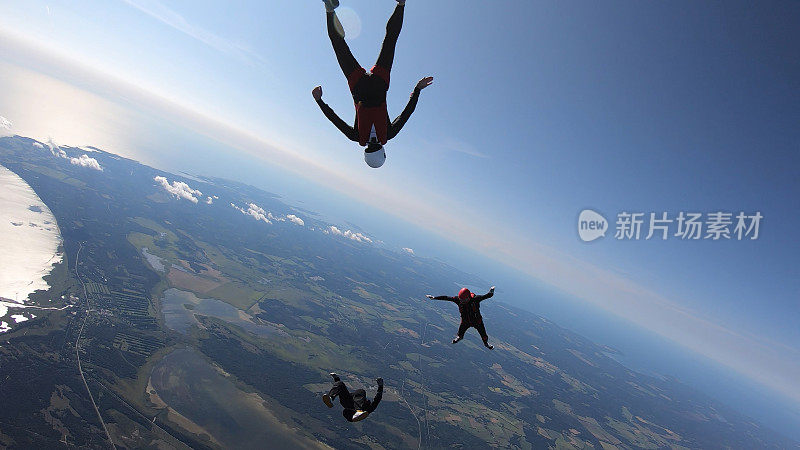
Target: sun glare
44,107
350,21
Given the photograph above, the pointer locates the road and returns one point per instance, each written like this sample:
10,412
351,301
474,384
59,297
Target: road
78,348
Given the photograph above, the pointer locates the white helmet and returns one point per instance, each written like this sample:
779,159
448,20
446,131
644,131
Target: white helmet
375,158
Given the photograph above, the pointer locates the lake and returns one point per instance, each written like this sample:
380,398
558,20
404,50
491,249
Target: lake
180,308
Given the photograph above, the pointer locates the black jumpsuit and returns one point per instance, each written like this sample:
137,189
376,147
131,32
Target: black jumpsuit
470,310
355,401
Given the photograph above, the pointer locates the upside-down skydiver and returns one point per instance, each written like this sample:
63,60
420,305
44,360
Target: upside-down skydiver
372,127
469,305
356,404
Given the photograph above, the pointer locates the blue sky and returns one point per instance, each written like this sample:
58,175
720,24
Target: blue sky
537,111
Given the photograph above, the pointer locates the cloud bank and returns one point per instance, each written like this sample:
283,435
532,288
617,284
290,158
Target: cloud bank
254,211
260,214
349,234
179,189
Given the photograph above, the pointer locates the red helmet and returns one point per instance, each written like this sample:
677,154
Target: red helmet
464,294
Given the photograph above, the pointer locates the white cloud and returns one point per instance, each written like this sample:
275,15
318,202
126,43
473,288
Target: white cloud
19,318
294,219
83,161
209,200
55,149
179,189
358,237
259,213
254,211
5,127
161,12
410,251
86,161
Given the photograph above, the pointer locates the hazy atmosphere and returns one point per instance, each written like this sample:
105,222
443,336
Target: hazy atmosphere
538,112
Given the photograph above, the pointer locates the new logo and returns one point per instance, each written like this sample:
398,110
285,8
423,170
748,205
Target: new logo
591,225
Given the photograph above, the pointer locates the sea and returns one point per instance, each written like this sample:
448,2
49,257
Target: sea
30,243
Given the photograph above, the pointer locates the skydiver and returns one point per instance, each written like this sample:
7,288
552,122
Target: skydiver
356,404
469,305
372,127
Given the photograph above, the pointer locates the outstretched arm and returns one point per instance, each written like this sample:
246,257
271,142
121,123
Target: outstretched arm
489,294
443,297
378,395
400,121
337,121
